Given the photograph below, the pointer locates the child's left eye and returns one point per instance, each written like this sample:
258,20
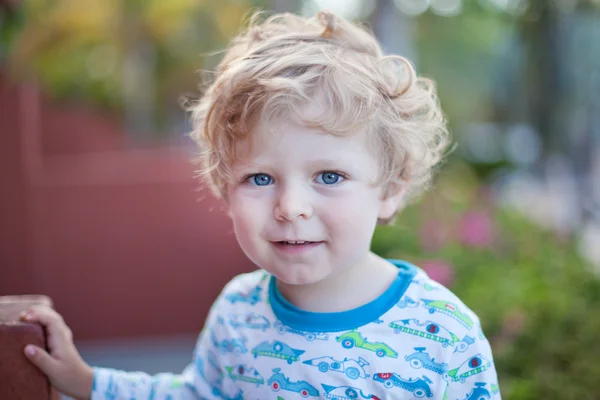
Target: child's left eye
329,178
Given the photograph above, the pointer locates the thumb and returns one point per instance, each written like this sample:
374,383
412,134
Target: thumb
41,359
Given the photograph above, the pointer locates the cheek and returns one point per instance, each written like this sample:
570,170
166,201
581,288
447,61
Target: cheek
248,216
354,216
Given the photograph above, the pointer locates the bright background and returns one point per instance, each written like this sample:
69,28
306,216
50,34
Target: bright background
101,211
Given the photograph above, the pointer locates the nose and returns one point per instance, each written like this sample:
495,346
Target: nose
293,203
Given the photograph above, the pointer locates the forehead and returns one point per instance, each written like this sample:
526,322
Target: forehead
288,139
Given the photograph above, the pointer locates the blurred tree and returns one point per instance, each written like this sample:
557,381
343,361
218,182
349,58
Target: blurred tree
139,55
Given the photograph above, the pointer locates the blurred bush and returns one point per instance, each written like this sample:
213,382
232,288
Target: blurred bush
538,301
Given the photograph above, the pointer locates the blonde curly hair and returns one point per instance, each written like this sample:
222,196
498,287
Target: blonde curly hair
278,66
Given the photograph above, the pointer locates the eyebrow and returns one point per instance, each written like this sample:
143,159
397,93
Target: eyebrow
333,163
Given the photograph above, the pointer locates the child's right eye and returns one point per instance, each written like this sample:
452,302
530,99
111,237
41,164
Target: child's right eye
259,179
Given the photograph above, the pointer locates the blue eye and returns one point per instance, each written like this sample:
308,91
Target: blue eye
260,179
329,178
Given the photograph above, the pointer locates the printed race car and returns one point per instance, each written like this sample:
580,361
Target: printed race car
420,359
418,387
345,393
209,370
310,336
473,366
219,393
464,344
278,381
450,309
277,349
213,375
243,373
406,301
427,330
426,284
251,321
251,297
494,388
235,345
353,338
351,367
479,392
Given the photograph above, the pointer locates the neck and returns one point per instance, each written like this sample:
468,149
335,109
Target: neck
363,282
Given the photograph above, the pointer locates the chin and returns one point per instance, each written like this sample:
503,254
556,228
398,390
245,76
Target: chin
299,280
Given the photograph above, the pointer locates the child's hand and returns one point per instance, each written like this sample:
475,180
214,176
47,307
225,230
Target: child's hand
64,366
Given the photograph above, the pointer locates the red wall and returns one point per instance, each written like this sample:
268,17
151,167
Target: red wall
120,238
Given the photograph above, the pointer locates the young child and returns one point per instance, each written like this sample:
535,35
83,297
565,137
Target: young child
311,136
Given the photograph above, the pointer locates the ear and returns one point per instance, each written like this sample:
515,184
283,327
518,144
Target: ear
392,198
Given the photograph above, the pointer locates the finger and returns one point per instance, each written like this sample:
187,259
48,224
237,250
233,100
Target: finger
41,359
59,334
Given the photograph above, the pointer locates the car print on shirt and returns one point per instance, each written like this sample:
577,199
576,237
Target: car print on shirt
427,330
472,366
406,302
479,392
421,359
277,349
219,393
427,285
464,344
112,390
418,387
251,321
351,367
494,388
345,393
450,309
210,371
251,297
310,336
243,373
278,381
353,338
234,345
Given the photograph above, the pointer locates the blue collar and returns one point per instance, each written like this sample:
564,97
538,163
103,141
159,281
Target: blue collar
308,321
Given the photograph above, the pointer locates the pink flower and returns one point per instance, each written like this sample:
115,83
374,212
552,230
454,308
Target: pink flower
477,229
440,271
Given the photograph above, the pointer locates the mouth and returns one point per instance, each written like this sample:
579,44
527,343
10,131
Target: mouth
295,242
295,246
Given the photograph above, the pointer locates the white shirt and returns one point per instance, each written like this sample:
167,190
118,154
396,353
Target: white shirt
417,340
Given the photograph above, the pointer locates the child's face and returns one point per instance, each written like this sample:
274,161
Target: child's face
299,184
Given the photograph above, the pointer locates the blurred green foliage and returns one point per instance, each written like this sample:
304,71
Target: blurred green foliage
538,301
84,49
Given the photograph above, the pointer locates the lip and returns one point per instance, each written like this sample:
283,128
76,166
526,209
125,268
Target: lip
296,248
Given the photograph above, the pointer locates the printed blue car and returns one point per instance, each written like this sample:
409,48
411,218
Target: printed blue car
235,345
353,369
479,392
464,344
219,393
345,393
472,366
427,330
252,297
213,375
310,336
244,373
430,286
251,321
418,387
406,301
277,349
421,359
278,381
